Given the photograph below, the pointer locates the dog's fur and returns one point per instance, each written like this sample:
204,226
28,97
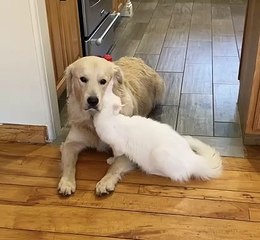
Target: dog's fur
139,87
154,146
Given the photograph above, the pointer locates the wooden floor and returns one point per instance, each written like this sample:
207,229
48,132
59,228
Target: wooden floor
142,207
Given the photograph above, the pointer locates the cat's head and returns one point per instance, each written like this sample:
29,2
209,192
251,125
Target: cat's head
110,100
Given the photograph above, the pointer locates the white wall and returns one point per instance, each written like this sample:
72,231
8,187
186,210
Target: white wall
27,86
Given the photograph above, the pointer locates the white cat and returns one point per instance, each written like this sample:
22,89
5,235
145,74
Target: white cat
154,147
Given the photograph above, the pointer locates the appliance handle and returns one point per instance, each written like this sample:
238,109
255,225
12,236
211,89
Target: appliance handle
97,2
98,41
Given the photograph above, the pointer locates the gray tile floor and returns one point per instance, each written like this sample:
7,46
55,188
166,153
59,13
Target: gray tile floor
195,46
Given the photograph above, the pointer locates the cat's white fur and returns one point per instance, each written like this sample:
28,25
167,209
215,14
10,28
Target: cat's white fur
154,147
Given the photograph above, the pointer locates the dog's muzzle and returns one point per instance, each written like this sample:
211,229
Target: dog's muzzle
92,104
92,101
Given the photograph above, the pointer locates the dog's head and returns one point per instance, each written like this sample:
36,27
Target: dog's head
88,78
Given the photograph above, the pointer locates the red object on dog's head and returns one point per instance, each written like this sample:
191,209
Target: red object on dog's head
108,57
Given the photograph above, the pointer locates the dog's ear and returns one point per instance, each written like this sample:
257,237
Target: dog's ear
118,75
68,78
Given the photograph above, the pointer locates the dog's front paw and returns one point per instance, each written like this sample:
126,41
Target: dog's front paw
66,187
106,185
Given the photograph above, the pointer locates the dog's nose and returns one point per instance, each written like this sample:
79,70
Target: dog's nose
92,101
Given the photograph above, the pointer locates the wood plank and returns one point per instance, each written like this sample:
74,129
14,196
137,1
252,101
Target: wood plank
94,170
8,192
195,115
199,52
172,59
173,82
11,234
240,164
225,70
230,180
225,99
86,185
122,224
200,193
127,202
23,133
252,152
48,150
254,214
197,79
18,149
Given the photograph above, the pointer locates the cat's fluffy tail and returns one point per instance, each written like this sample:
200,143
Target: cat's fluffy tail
209,163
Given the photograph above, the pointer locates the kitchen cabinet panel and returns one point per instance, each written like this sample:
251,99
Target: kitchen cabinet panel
65,39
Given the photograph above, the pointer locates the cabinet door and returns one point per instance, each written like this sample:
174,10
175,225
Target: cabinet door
64,29
249,74
256,86
56,34
70,26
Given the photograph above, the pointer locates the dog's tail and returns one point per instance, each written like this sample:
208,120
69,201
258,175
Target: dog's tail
209,164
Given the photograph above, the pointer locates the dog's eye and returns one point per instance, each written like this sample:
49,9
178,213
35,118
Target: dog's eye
103,81
83,79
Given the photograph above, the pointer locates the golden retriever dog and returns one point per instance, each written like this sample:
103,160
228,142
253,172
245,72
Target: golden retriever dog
140,89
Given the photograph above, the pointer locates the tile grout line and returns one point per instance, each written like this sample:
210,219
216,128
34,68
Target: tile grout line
186,53
212,70
235,35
